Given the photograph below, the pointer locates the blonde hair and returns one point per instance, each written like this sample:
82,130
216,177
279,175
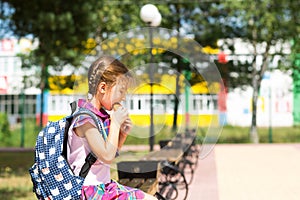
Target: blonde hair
106,69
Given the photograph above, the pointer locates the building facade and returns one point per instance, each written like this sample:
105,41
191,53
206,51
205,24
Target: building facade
275,104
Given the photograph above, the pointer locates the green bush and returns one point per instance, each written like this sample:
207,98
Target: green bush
237,134
140,135
234,134
31,131
5,133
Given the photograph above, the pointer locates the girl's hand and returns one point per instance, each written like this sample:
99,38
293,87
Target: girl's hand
119,116
124,131
126,126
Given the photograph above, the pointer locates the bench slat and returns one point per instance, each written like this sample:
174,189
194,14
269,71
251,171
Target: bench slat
124,181
135,183
172,155
150,186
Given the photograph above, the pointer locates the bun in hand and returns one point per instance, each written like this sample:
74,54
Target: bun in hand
116,106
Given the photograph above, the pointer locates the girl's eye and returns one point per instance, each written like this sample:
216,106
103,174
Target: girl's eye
123,92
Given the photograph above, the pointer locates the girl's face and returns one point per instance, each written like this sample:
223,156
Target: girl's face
114,93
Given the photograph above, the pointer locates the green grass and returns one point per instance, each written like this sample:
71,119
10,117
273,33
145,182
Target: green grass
30,134
140,135
235,134
16,188
15,183
227,134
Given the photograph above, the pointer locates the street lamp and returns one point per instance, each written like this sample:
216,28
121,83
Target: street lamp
150,15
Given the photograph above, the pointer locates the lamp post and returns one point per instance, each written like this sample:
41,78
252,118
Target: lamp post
150,15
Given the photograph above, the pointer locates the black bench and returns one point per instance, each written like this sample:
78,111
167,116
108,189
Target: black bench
190,157
163,173
173,156
140,174
187,143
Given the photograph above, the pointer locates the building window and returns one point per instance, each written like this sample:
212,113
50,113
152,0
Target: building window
131,104
139,104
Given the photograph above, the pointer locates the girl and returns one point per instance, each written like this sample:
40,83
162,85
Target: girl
108,80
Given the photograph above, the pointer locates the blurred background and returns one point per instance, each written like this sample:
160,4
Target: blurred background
46,47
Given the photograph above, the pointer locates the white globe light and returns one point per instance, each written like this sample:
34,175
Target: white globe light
148,13
156,21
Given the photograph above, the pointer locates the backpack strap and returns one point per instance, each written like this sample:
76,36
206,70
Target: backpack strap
98,122
73,106
78,111
91,157
89,161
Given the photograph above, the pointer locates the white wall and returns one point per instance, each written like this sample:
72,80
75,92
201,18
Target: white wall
275,109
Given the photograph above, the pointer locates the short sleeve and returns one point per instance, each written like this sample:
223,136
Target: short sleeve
83,119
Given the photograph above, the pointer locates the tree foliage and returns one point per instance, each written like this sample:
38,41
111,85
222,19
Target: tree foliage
267,26
63,28
66,31
5,133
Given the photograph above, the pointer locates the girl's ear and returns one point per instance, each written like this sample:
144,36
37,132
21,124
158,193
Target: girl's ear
102,87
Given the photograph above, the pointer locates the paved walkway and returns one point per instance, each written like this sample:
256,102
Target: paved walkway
248,172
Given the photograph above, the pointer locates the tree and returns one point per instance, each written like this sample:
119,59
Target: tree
185,17
5,12
264,24
62,29
5,133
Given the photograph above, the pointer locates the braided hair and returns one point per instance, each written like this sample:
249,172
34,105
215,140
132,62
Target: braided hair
105,69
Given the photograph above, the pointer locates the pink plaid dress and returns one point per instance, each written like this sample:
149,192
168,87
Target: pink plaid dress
112,190
98,184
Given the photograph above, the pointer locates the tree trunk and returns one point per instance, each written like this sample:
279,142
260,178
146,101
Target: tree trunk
42,87
253,129
256,83
176,103
177,92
